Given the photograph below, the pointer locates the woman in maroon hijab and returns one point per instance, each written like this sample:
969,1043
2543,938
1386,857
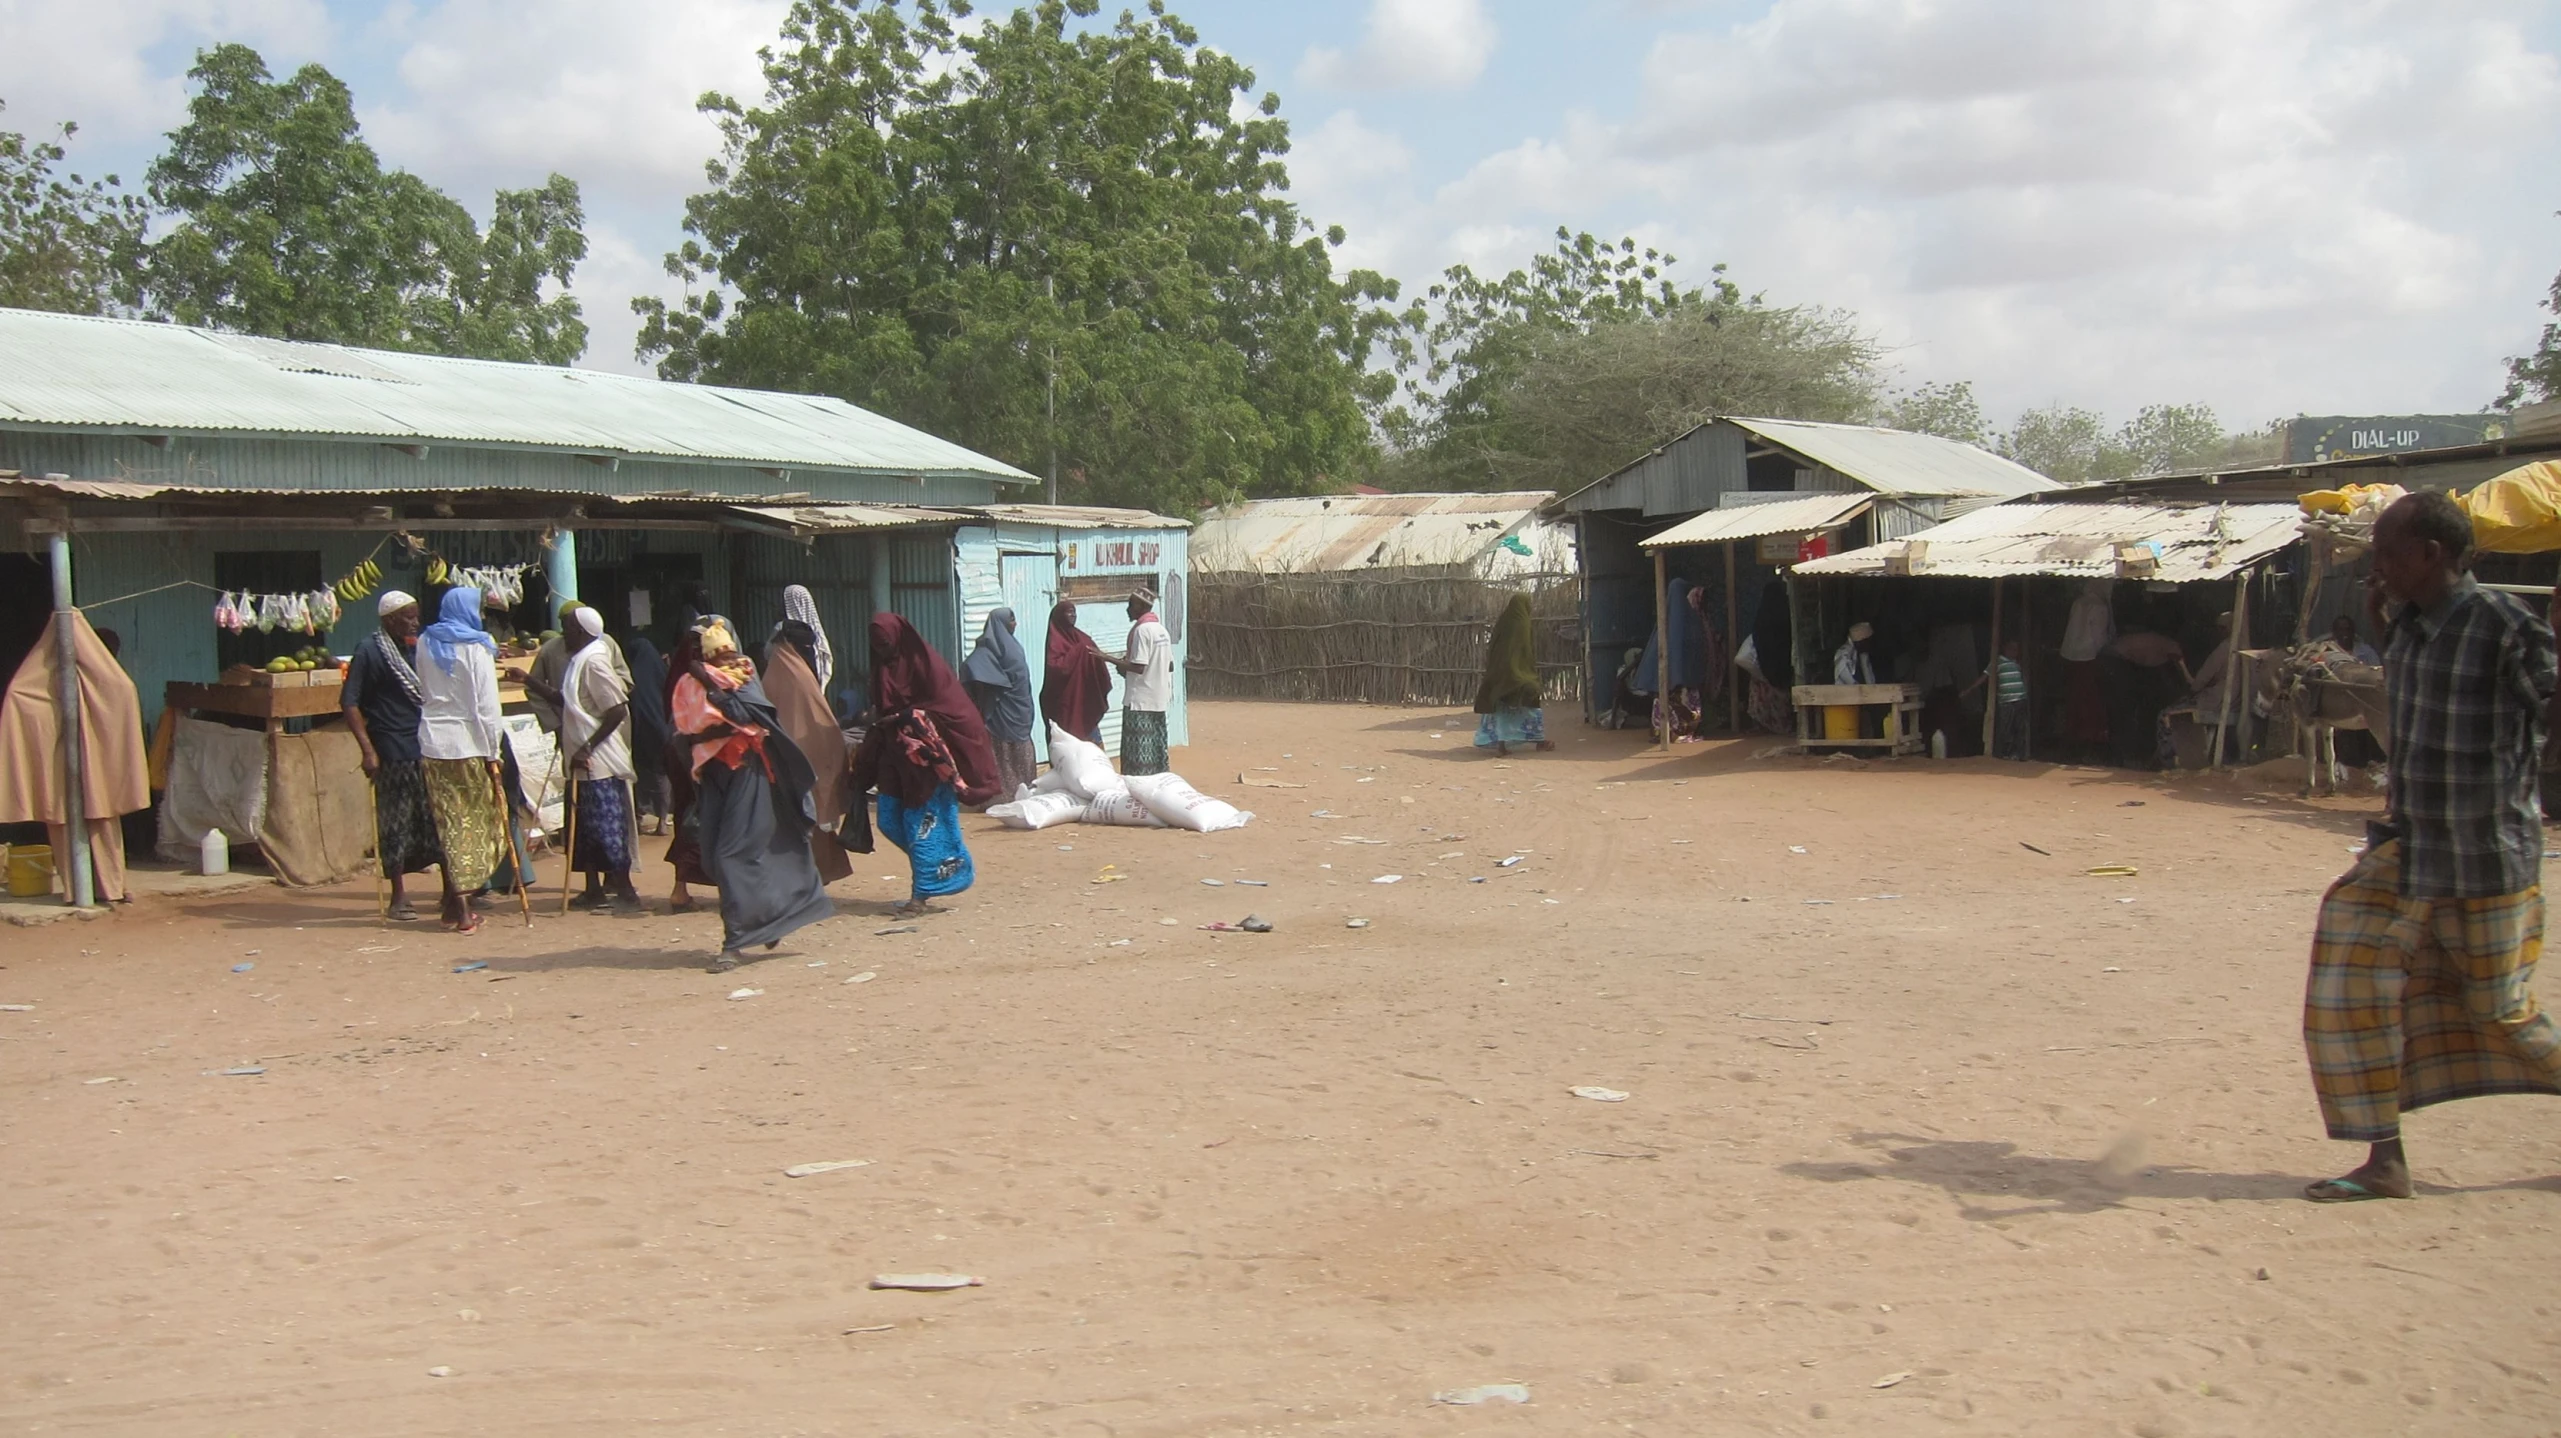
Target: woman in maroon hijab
927,753
1077,687
908,674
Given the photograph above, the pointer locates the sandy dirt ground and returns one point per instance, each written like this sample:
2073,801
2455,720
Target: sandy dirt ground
1925,1131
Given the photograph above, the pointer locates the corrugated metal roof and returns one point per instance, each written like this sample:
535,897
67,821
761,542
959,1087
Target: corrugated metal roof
1335,533
80,372
2068,539
1079,516
1812,514
1897,461
848,518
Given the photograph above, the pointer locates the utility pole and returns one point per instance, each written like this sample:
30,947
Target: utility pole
1051,283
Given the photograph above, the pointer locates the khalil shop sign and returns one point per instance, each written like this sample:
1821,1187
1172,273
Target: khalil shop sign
1110,556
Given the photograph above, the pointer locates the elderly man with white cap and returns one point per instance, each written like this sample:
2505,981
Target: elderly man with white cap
383,705
595,735
1149,663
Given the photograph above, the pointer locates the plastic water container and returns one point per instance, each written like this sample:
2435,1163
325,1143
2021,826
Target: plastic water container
213,853
30,870
1938,743
1840,721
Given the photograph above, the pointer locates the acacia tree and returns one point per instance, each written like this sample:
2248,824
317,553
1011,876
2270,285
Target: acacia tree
2074,446
286,224
60,234
1566,368
963,228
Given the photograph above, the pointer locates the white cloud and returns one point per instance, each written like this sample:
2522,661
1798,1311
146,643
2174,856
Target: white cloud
1408,45
602,90
97,62
2270,205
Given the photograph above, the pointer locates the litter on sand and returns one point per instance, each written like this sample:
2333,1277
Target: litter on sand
473,967
1510,863
244,1071
812,1170
1255,883
17,1008
1256,924
1484,1393
1215,883
1356,923
2113,871
1110,874
866,976
1256,781
1599,1095
744,993
2031,848
894,929
926,1282
1889,1380
242,968
1389,879
1796,848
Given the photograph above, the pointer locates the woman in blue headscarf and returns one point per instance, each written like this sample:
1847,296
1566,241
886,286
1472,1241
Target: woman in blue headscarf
998,676
459,737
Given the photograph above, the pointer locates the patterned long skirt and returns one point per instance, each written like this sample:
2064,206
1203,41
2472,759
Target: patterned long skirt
608,841
1523,725
1017,764
2413,1002
938,863
469,828
404,825
1142,741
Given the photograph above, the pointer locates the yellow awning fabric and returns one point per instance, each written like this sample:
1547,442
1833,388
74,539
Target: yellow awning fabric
2519,512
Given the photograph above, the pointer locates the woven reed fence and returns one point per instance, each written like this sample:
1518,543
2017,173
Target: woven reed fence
1380,638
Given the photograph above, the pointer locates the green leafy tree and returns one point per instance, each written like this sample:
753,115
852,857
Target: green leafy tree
974,229
1949,411
60,234
286,224
2536,377
2074,446
1561,371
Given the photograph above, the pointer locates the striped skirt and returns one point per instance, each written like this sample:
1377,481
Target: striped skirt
2413,1002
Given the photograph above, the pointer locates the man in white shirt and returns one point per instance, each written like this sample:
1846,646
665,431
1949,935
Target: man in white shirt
1149,664
595,734
1851,663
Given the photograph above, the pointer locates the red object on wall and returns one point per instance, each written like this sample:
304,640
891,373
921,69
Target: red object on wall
1817,547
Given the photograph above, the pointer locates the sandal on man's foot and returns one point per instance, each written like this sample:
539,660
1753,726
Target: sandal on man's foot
722,964
2345,1190
590,899
402,914
470,923
689,906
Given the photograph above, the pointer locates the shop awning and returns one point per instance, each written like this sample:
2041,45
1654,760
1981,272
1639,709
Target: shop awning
2175,544
1811,514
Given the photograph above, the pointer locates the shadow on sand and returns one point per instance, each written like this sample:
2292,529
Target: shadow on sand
1994,1180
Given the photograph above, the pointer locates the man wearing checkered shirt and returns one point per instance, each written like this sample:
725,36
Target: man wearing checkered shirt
2422,964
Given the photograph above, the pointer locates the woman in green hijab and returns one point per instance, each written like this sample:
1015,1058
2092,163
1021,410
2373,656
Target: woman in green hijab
1507,702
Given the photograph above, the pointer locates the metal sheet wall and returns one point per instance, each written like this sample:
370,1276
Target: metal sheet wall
1682,478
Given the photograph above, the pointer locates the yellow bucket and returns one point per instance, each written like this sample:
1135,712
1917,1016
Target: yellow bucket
30,870
1840,721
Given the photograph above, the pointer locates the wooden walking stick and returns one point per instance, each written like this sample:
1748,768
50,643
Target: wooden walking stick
516,851
569,847
381,891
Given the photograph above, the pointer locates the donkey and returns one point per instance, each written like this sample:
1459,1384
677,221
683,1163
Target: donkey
2326,690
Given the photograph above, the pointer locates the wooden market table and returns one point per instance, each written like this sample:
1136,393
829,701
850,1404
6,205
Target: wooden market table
1901,703
271,703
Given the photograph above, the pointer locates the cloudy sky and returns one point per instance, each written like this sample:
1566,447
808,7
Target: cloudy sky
2272,206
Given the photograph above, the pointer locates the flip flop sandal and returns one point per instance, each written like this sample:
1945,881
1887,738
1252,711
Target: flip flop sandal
403,914
2341,1190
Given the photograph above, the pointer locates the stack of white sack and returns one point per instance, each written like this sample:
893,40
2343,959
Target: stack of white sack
1082,787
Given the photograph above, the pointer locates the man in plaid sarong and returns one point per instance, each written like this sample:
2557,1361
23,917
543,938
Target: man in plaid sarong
2423,959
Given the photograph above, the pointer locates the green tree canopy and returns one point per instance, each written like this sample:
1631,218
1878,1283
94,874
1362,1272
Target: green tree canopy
960,227
2074,446
60,235
1561,371
286,224
2537,376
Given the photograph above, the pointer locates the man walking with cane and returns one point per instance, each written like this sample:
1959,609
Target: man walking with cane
2421,965
382,703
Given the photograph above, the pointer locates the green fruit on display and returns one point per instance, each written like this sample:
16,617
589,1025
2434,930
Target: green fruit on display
279,665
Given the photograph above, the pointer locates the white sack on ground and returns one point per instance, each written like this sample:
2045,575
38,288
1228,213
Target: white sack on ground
1085,767
1119,806
1171,798
1031,809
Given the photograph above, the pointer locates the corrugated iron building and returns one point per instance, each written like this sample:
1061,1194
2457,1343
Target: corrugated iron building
1918,481
125,429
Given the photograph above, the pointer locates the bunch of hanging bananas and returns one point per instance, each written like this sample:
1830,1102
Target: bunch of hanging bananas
358,582
436,569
